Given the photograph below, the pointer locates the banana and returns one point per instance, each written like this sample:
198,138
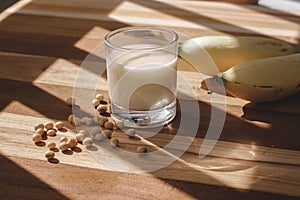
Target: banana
262,80
214,54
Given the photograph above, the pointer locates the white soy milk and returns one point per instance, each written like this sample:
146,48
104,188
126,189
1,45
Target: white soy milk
139,81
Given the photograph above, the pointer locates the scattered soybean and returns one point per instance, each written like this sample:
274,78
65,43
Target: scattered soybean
63,139
96,120
72,142
40,131
100,97
63,146
51,132
79,137
51,145
98,137
114,141
87,142
84,132
59,125
102,121
71,118
48,125
102,108
107,133
131,133
95,130
49,155
141,149
109,125
89,121
95,102
39,126
70,101
36,137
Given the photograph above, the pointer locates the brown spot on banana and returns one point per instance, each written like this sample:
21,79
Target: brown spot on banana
284,50
265,86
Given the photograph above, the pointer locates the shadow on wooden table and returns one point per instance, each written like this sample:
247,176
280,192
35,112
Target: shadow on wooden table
6,4
282,117
272,124
35,100
283,132
17,183
51,45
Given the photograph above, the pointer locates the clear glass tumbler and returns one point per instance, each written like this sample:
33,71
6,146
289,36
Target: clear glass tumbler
141,70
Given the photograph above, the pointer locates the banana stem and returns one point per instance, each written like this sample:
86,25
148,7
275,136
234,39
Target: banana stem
219,79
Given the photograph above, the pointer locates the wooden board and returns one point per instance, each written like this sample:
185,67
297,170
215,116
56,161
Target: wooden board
42,46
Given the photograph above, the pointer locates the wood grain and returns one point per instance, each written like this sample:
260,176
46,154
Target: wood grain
43,46
211,170
33,179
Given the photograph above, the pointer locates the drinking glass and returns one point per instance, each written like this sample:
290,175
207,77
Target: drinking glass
141,71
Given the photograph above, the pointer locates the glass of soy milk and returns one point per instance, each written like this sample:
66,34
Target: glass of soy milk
141,71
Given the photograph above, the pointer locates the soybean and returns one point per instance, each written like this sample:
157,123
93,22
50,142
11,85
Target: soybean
40,131
87,142
83,120
102,121
131,133
114,142
51,132
63,139
102,108
95,102
90,136
36,137
89,121
39,126
48,125
109,125
96,120
84,132
72,142
76,121
95,130
70,101
100,97
79,137
71,118
63,146
49,155
141,149
107,133
59,125
98,137
51,145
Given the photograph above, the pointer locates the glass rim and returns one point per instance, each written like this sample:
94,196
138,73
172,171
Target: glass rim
120,30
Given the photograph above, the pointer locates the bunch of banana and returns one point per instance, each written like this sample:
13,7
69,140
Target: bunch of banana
267,79
227,51
253,68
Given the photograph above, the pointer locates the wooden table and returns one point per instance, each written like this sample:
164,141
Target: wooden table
42,44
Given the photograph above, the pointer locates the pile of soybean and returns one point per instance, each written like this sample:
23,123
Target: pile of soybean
85,137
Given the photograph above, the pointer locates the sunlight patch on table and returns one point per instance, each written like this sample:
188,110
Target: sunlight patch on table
15,106
13,9
55,74
93,38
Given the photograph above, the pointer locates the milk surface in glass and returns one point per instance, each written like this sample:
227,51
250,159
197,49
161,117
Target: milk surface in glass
139,81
